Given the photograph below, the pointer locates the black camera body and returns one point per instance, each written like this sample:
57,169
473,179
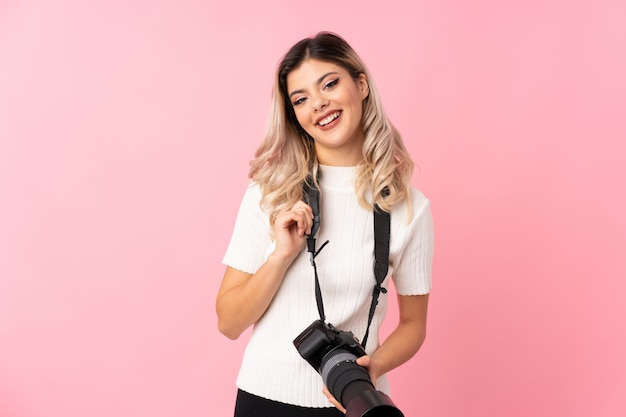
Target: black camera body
333,354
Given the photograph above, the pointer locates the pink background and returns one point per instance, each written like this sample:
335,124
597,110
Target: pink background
126,128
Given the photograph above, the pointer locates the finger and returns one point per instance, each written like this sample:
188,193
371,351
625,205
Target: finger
291,216
333,400
303,222
304,219
309,219
285,220
364,361
307,211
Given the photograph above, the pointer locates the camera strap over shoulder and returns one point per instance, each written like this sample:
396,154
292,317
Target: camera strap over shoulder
382,226
382,233
313,200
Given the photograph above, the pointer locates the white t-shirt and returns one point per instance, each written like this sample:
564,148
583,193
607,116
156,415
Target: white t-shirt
272,367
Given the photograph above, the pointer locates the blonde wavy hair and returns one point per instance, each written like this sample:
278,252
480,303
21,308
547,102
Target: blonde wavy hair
286,157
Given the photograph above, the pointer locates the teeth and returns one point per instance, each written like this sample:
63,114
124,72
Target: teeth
329,119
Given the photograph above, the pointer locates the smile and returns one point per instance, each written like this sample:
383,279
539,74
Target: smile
328,119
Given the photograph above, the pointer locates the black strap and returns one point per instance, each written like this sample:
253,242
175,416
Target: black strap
382,234
313,199
382,222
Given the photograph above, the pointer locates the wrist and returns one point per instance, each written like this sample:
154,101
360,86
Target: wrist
281,259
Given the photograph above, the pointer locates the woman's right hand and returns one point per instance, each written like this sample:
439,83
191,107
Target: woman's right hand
243,298
291,228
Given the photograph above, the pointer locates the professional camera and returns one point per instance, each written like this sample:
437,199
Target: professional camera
333,354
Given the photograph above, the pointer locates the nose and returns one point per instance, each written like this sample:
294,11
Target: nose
319,102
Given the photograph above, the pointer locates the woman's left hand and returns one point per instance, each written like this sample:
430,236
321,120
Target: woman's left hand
333,400
364,361
370,364
401,344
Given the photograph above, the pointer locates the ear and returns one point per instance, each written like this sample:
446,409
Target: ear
363,85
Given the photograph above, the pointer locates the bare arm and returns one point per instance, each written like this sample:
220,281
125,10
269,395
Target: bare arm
401,344
243,298
404,342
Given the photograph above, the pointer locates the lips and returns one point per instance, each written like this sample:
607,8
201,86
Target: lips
328,118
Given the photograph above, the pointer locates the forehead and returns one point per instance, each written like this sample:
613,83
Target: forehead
310,72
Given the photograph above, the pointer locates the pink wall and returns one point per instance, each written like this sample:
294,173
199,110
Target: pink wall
125,132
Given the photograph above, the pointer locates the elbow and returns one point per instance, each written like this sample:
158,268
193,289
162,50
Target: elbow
423,338
228,330
225,323
420,332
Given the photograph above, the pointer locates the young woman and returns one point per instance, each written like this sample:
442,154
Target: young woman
326,123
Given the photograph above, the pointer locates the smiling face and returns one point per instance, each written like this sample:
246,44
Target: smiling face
328,104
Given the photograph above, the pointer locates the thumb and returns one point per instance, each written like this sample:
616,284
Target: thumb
366,362
363,361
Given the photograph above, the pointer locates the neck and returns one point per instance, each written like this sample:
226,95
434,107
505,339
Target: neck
344,157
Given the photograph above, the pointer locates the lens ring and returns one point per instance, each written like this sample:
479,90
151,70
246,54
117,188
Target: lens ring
334,358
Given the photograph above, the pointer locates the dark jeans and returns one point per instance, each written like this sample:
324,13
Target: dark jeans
249,405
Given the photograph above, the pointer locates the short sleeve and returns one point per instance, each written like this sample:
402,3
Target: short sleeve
251,236
413,249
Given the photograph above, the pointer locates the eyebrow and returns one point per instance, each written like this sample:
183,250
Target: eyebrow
319,81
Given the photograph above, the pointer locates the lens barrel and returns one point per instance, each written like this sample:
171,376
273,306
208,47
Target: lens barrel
363,401
352,386
333,354
339,369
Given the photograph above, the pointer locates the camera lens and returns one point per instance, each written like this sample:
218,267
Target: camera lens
351,385
333,354
339,369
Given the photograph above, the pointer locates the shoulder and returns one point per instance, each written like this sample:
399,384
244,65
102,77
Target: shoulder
252,193
253,190
418,200
251,200
414,209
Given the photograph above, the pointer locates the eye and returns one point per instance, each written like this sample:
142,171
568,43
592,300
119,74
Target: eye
298,101
331,83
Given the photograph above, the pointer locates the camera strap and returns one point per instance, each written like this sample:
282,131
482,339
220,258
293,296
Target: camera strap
313,199
382,233
382,227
